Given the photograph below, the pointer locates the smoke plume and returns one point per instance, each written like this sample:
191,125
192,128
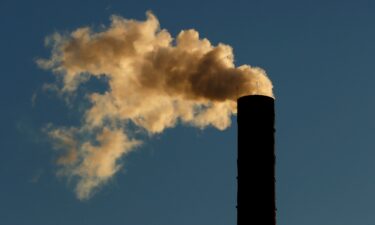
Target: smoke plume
153,83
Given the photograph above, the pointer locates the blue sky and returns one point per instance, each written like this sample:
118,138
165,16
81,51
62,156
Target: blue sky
319,56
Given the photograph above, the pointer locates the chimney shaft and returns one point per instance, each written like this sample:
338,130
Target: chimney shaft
256,161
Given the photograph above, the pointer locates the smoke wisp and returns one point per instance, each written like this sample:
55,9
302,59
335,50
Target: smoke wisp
154,82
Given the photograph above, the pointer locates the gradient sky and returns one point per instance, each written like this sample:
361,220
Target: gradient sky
319,55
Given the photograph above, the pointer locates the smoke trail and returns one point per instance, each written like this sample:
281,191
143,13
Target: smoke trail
154,82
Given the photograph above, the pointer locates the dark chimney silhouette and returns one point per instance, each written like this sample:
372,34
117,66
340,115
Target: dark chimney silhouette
256,202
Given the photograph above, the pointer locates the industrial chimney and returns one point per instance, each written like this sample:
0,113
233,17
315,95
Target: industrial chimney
256,161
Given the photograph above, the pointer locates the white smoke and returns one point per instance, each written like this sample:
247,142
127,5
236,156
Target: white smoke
154,82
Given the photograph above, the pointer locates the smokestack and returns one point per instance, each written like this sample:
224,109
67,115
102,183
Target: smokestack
256,161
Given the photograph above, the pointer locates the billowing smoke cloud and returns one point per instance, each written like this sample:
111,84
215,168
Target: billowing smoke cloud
154,82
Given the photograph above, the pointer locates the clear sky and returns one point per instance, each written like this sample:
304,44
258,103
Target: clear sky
319,55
